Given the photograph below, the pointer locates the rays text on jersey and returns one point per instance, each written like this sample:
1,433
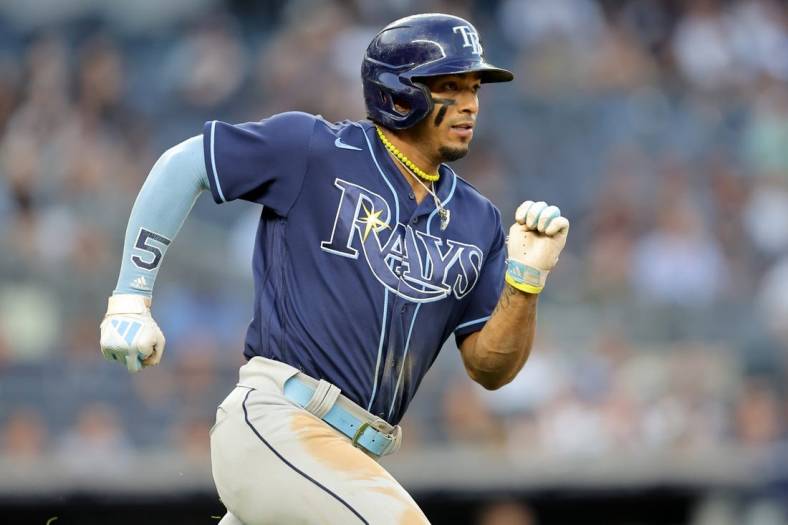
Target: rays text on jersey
410,263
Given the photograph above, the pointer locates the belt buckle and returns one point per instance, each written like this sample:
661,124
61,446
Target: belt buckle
363,427
359,433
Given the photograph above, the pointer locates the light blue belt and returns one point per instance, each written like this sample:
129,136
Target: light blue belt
362,433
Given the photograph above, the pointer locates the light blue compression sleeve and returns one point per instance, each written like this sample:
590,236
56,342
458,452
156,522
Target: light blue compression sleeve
163,203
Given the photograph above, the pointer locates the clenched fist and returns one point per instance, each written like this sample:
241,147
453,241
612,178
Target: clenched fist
535,242
129,334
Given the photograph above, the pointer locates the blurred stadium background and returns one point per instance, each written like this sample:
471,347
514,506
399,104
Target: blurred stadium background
656,391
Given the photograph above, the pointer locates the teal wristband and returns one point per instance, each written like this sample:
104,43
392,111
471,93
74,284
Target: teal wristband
524,277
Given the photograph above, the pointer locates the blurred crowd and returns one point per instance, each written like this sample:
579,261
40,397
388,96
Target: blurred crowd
659,127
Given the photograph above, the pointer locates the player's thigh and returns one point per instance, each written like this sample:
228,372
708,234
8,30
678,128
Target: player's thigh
273,461
352,474
255,482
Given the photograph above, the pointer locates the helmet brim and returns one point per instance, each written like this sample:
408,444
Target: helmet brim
489,73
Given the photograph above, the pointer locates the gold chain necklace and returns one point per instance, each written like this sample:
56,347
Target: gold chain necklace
405,161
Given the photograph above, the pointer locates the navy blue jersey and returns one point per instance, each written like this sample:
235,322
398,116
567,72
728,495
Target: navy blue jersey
355,282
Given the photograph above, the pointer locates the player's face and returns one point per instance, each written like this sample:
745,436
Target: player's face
449,128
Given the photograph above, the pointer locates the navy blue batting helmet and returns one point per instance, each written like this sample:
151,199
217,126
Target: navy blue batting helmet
416,47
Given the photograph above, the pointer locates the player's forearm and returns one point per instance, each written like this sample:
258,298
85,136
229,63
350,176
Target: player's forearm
161,207
498,352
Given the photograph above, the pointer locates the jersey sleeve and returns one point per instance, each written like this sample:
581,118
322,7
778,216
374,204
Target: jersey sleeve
263,162
484,296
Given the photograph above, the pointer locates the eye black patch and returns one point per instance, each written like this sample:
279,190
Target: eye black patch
444,103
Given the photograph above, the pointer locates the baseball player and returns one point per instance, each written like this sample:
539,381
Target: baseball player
370,253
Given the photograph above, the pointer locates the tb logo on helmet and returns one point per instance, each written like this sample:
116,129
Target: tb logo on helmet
470,38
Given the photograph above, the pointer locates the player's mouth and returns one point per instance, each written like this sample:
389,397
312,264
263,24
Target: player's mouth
462,129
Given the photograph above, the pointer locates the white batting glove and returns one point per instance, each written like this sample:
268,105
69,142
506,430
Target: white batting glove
129,334
535,242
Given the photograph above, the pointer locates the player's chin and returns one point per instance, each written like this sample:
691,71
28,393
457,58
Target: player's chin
450,153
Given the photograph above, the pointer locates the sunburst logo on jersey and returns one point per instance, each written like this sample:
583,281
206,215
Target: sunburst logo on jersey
372,221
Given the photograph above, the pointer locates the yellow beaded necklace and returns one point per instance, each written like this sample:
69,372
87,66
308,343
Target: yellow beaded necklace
405,160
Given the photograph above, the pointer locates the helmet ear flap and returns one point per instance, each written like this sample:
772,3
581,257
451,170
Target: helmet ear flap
393,101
